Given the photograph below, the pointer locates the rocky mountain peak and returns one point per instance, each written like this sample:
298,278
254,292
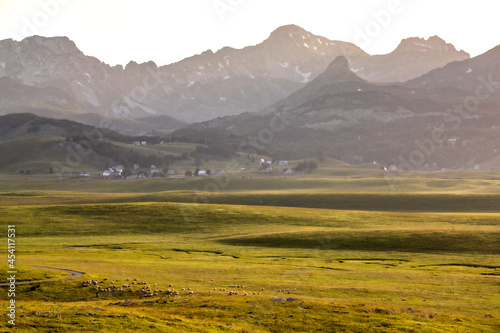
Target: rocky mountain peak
412,58
58,45
433,44
436,39
289,31
339,66
339,70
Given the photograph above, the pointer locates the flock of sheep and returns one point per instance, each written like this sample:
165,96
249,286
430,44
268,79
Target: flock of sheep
146,290
150,291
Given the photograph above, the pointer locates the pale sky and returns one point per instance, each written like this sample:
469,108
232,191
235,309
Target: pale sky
166,31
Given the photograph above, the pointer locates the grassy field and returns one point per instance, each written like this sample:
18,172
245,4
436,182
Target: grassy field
306,254
351,180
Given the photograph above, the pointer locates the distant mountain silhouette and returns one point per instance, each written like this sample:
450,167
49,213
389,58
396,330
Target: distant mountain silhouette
202,87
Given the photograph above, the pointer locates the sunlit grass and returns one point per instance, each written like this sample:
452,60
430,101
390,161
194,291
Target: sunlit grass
373,266
354,255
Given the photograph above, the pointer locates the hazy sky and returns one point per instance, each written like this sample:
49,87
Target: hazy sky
165,31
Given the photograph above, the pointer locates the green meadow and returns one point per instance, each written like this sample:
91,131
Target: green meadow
258,254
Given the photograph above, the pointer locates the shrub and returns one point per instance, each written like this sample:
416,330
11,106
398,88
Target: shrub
306,166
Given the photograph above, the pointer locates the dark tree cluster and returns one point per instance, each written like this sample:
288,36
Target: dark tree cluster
306,166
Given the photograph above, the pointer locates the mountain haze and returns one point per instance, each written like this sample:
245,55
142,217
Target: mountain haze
55,74
337,98
465,76
357,121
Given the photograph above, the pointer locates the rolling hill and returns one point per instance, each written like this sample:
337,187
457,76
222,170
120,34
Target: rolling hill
39,144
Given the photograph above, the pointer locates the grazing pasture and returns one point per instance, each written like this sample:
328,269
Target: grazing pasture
306,259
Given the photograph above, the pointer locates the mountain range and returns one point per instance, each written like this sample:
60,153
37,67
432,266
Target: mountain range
53,76
347,117
329,97
339,97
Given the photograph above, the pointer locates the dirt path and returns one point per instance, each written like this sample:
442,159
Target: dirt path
74,274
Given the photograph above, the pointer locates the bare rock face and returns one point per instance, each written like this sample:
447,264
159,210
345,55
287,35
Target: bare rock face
411,59
57,63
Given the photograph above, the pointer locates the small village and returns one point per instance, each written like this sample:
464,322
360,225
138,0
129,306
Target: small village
263,166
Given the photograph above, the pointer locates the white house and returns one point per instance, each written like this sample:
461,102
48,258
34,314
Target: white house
202,173
283,163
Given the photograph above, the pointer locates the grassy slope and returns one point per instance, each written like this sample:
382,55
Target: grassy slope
39,153
327,255
409,202
408,267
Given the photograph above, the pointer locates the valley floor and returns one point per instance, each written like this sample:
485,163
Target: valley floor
303,254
